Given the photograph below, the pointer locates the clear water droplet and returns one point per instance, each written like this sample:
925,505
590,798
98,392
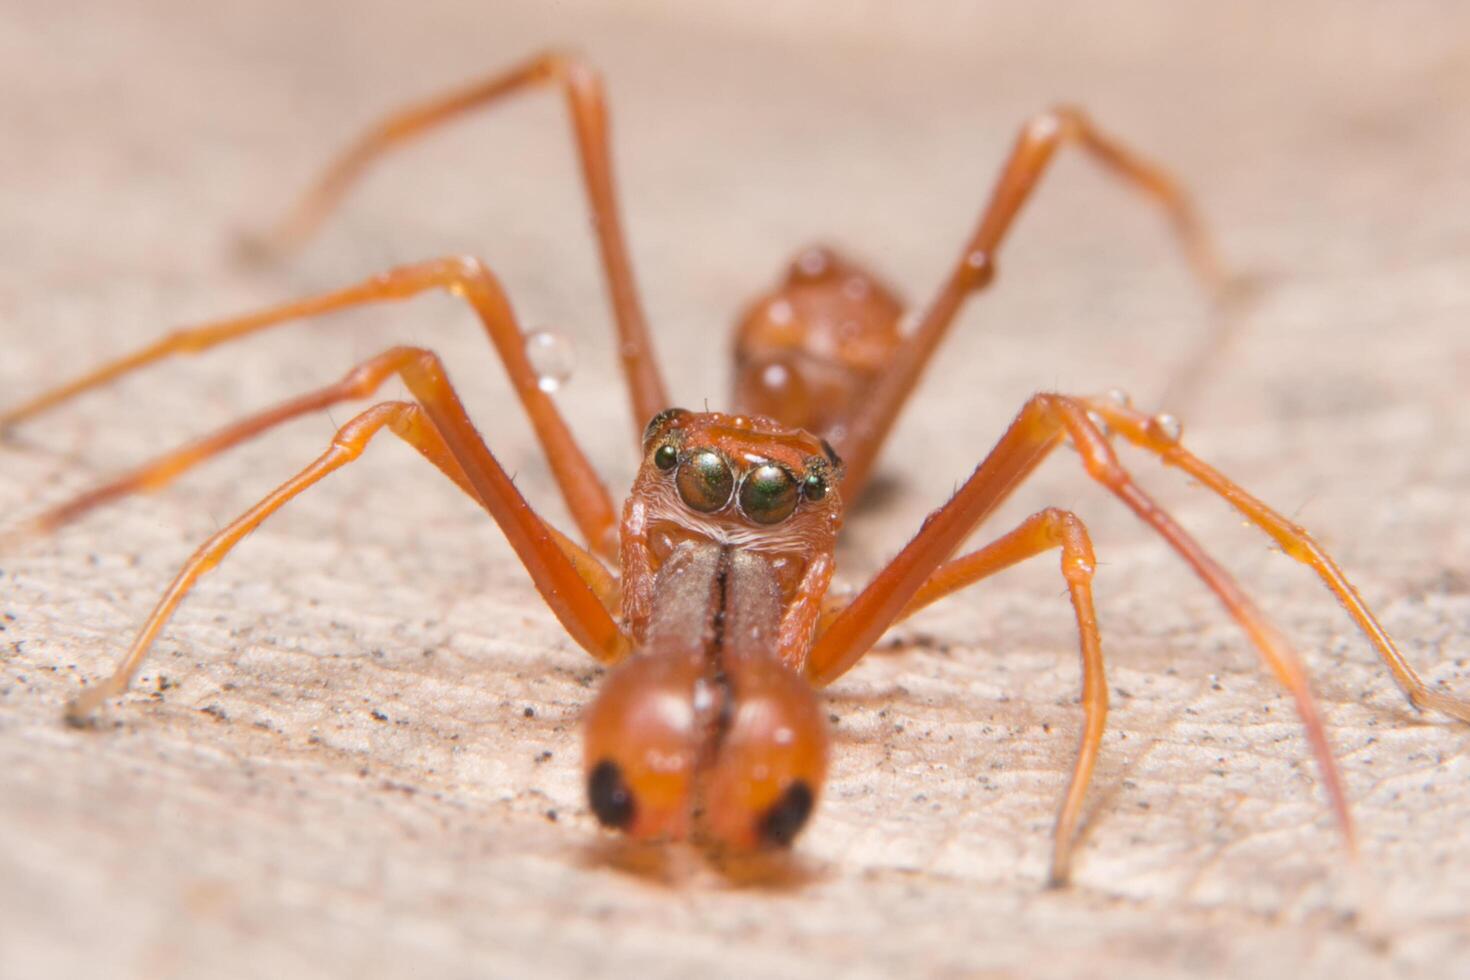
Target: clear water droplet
1119,397
552,357
1167,427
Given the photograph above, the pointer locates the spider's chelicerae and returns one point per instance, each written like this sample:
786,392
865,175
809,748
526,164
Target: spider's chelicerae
708,595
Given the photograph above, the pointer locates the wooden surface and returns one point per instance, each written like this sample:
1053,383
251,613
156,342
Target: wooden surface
365,757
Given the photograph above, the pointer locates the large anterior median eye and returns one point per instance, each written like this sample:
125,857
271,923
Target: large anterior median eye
705,481
768,494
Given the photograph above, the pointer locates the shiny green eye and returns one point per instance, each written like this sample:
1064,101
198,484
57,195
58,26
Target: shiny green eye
768,494
666,457
705,481
814,487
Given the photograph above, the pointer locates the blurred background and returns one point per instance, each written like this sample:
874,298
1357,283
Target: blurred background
287,830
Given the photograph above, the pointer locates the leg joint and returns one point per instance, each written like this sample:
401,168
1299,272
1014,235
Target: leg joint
1078,561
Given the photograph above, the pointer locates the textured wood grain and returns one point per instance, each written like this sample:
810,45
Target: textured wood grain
356,749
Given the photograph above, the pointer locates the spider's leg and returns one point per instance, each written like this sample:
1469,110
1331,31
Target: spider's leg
439,429
1163,441
360,382
1043,423
1035,148
469,279
583,89
1039,533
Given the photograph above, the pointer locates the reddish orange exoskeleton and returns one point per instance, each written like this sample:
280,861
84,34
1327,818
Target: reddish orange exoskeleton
709,596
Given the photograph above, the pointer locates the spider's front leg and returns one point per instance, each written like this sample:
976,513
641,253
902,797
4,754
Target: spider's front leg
572,582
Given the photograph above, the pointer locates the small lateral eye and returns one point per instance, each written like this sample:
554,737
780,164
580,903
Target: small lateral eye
658,423
705,481
666,457
768,494
814,487
832,458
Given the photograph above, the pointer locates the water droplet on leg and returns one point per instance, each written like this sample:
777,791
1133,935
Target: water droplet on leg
1166,427
552,357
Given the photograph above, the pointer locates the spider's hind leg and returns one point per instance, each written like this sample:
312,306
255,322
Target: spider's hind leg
1035,148
586,101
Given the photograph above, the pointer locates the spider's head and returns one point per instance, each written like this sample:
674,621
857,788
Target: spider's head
745,481
808,351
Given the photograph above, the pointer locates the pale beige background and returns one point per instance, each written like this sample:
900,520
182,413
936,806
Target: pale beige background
342,778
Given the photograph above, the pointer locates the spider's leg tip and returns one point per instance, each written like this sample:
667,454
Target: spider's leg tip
82,711
1238,292
255,249
78,717
1457,708
13,439
12,538
1448,705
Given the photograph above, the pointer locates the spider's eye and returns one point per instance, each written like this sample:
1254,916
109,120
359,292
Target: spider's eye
705,481
814,487
666,457
768,494
659,422
832,457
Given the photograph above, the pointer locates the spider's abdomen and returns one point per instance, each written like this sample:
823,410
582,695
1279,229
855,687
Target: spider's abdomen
808,352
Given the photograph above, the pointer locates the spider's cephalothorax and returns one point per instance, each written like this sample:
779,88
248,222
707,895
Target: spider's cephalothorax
709,728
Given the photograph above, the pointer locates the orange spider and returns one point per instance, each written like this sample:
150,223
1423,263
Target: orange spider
717,623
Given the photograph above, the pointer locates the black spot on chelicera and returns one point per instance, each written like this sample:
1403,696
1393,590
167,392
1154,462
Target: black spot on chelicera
784,820
609,795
